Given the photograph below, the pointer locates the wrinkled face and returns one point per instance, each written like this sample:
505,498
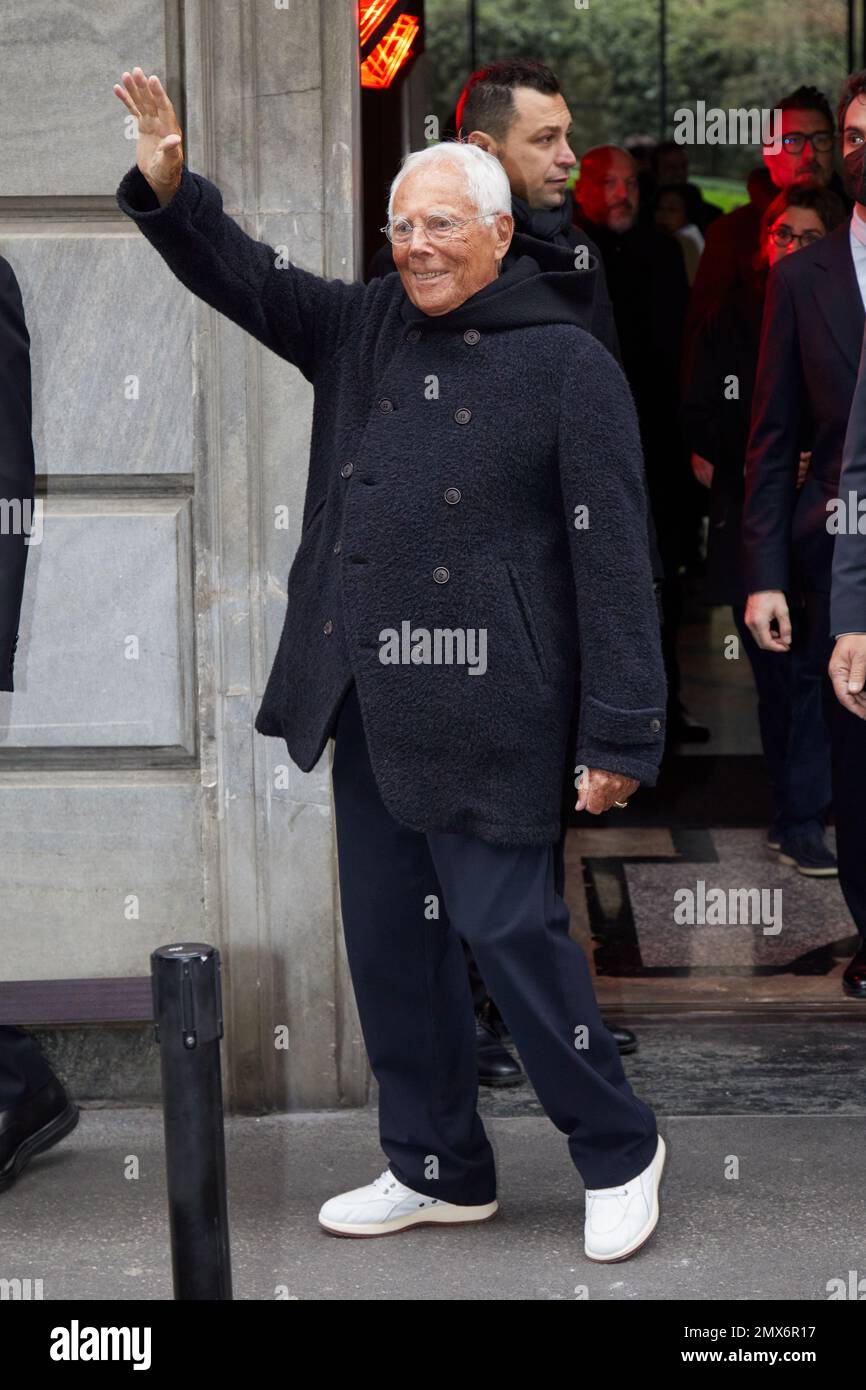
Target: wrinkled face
803,222
439,276
536,154
608,190
786,168
670,212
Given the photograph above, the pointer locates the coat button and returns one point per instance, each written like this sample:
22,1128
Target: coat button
655,725
346,470
413,335
452,495
338,546
386,406
463,416
328,628
472,336
441,575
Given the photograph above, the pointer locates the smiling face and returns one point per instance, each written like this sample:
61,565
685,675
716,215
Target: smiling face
535,152
439,276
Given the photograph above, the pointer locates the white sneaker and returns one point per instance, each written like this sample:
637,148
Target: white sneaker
387,1205
620,1219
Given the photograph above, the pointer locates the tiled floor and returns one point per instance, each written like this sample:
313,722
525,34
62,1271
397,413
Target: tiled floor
702,830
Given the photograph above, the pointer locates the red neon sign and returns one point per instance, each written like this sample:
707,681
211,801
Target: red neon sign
390,54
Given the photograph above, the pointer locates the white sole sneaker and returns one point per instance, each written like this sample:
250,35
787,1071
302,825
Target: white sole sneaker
387,1206
654,1175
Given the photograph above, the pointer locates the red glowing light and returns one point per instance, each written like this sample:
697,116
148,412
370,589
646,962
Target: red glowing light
371,15
389,55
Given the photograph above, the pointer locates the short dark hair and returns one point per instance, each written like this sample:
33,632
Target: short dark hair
487,101
853,86
808,99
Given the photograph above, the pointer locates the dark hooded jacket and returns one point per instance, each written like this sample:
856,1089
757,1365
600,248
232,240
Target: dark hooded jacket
458,483
536,229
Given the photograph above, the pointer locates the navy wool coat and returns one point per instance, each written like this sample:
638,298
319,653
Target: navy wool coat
474,477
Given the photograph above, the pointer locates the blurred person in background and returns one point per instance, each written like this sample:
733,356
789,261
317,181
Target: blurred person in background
716,420
649,289
809,357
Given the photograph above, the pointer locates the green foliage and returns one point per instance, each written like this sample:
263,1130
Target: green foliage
728,53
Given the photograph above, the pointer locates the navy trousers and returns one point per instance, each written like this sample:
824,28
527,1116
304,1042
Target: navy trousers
409,898
794,733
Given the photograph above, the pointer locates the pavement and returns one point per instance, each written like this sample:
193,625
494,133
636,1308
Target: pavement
753,1207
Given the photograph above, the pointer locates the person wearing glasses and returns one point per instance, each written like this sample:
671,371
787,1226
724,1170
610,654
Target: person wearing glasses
716,425
807,370
474,530
804,154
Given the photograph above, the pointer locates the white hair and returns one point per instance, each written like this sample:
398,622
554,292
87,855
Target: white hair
485,179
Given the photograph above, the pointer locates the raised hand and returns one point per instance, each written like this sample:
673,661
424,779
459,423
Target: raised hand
159,153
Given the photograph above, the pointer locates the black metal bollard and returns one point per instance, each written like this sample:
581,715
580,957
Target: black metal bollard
187,1013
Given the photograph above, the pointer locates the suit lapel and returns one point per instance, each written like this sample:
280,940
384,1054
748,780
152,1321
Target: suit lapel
837,293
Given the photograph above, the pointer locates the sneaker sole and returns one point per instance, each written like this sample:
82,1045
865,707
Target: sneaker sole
644,1236
809,873
43,1139
452,1215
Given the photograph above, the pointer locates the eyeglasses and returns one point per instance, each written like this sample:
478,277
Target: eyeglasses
821,141
436,227
783,235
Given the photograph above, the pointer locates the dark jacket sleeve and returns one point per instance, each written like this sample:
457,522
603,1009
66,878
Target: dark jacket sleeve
848,596
300,316
16,464
622,678
774,443
715,278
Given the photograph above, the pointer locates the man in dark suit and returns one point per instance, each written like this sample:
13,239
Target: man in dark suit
848,623
809,358
806,154
35,1111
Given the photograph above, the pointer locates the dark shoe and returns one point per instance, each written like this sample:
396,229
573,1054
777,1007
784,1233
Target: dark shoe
804,849
34,1124
496,1066
854,978
626,1040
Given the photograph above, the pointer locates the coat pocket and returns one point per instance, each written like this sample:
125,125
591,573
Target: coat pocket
521,606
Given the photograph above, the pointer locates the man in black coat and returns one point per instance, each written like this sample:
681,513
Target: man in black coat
473,530
516,111
809,357
649,290
35,1111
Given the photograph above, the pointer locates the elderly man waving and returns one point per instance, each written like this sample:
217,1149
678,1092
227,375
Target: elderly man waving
474,532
